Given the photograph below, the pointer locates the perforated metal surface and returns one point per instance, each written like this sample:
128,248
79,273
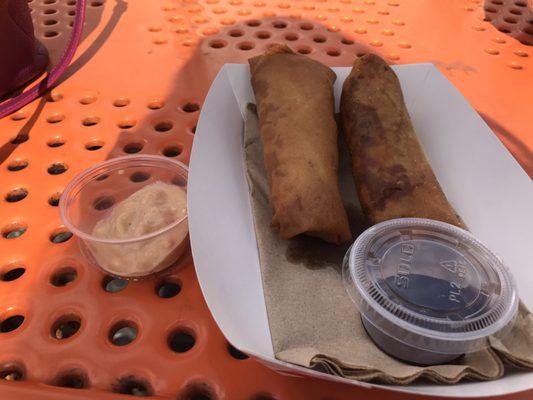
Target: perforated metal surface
137,85
511,17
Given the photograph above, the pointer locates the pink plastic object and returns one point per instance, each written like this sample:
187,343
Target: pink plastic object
20,45
24,56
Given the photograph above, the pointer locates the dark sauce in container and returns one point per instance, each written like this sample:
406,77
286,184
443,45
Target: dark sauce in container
427,291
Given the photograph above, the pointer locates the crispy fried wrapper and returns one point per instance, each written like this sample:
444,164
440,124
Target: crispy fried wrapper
295,104
391,172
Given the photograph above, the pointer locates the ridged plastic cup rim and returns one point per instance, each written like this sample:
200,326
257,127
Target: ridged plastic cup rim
360,247
112,164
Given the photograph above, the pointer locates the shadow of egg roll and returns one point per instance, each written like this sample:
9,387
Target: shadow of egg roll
391,172
295,105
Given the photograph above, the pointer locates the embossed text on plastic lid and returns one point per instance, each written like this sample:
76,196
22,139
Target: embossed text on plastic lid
428,291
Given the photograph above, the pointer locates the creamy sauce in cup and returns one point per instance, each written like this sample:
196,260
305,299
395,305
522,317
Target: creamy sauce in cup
148,210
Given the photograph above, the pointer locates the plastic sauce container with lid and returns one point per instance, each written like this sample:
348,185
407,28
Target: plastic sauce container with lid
428,291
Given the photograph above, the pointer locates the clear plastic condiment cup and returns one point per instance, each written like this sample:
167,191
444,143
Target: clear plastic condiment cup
428,291
91,196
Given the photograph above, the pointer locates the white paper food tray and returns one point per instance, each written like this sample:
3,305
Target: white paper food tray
481,179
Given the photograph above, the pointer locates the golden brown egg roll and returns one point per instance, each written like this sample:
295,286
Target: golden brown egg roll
391,172
295,105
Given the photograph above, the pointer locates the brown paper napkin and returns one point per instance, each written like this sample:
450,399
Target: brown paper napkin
312,320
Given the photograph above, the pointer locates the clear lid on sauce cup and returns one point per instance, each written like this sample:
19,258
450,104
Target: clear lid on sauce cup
430,286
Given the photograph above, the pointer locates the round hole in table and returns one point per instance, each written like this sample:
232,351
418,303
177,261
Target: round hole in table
123,333
11,323
60,235
11,372
121,102
113,284
521,53
14,230
65,327
87,99
50,34
126,123
218,44
236,353
190,107
263,35
139,176
291,37
304,50
253,23
17,165
73,379
55,118
263,396
133,386
168,289
198,391
236,33
172,150
90,121
155,104
181,340
94,145
103,203
132,148
333,52
56,141
53,200
64,276
102,177
53,96
19,115
16,195
179,180
163,126
20,138
12,273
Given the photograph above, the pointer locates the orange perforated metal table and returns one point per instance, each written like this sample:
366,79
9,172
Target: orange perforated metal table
137,85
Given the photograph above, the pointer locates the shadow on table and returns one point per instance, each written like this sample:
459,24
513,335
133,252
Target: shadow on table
52,23
54,31
233,44
511,17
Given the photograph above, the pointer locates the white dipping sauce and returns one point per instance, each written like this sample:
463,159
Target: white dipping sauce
148,210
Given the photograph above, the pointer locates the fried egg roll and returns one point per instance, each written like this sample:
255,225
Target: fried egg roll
392,174
295,105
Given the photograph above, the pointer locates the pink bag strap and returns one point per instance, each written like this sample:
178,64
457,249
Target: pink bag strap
12,105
